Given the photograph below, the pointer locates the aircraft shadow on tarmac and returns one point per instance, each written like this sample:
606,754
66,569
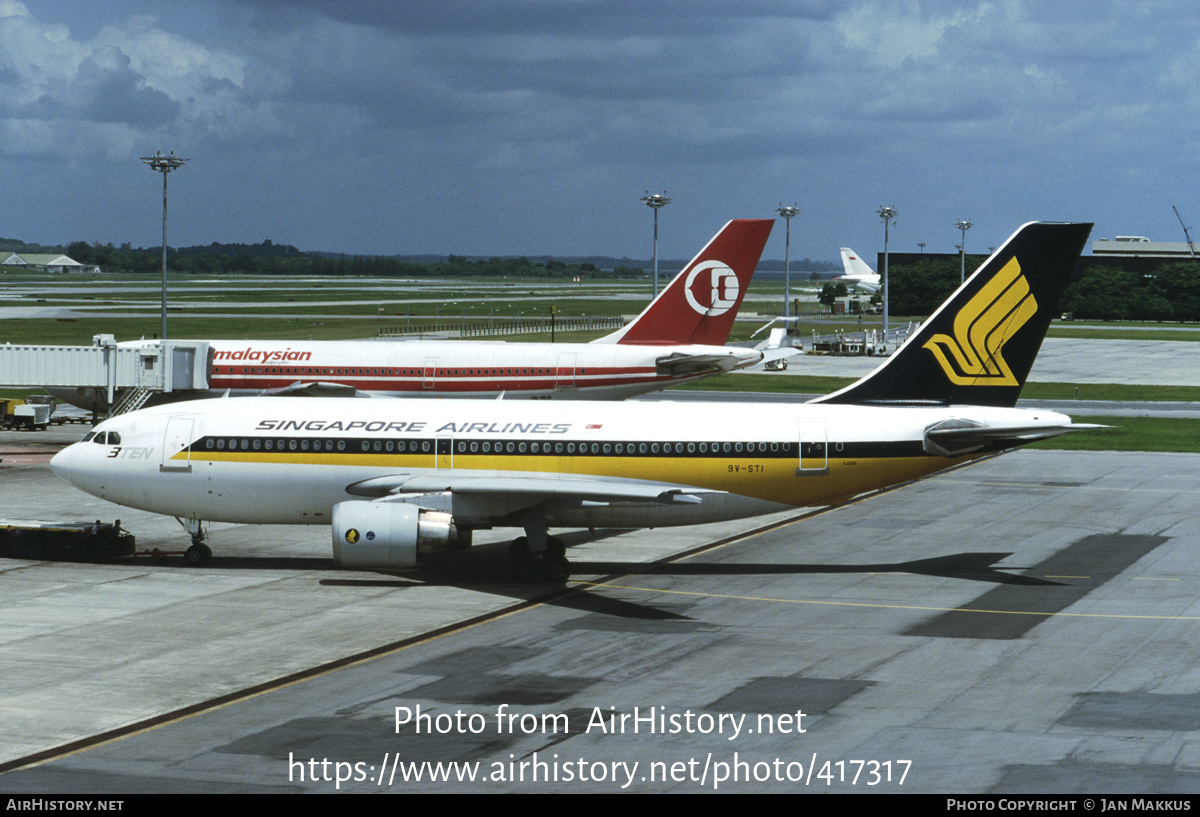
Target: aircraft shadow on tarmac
482,567
488,572
486,568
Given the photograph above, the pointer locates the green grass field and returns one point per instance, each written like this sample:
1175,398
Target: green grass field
1125,434
1131,434
804,384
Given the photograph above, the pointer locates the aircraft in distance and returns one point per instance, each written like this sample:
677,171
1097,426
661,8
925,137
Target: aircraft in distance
858,274
678,338
402,480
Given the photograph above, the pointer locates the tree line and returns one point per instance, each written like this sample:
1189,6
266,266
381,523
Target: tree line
283,259
1168,292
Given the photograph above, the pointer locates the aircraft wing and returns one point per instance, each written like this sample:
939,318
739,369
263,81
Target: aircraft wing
301,389
527,486
681,363
954,438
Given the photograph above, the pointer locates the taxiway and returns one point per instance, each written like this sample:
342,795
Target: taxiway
1019,625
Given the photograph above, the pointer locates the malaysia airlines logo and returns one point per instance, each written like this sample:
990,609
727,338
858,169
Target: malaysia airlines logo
981,328
717,283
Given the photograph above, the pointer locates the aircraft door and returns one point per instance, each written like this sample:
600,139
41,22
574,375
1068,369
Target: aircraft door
444,452
176,440
565,373
814,450
430,373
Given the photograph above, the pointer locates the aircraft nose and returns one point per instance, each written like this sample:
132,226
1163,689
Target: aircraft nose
65,464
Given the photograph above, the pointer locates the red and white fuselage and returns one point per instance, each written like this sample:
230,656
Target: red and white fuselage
468,369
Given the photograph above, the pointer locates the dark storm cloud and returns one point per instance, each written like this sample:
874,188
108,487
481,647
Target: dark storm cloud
363,124
489,18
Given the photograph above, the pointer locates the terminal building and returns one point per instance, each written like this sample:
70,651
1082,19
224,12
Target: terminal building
1137,246
45,262
1134,253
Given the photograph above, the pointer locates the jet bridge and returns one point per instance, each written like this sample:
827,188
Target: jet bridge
107,369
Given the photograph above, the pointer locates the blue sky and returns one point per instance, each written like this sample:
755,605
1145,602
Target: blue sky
535,126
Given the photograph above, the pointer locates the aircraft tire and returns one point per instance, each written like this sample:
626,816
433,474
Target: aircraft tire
522,559
557,570
197,555
555,548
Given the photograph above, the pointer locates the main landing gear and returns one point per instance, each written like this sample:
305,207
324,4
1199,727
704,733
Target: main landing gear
199,554
538,557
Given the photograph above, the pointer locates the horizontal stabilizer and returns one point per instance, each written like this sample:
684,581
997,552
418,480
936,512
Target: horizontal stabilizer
956,438
681,364
782,351
300,389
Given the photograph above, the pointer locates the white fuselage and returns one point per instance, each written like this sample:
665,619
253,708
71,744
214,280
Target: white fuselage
867,283
288,461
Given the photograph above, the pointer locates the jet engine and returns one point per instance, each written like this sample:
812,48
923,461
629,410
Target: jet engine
391,534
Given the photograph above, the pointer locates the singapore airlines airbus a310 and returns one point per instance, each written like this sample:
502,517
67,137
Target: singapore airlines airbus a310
402,480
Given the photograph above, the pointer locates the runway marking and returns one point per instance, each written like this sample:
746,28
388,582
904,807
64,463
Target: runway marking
145,725
879,606
1089,487
150,724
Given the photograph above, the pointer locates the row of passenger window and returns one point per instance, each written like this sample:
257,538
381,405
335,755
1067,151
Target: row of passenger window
355,446
623,448
428,372
306,444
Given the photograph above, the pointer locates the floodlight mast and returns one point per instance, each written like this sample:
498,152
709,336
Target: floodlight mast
656,201
963,226
888,214
788,213
164,165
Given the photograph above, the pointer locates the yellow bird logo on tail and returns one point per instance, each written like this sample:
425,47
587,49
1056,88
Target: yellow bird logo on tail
981,328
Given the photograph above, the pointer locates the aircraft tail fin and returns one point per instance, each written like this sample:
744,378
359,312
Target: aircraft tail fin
978,347
856,273
853,265
699,305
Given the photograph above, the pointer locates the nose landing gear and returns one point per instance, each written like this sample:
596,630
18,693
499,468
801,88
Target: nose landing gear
199,554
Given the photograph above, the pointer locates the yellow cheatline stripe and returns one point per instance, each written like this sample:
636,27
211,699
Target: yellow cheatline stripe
877,606
769,479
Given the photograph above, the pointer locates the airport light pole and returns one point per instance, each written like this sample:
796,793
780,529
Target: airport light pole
656,201
164,165
787,213
888,214
963,226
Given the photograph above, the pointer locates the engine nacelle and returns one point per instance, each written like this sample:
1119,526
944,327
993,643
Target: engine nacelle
391,534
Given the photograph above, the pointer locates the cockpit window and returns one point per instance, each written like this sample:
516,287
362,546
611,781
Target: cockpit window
101,438
88,436
114,438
